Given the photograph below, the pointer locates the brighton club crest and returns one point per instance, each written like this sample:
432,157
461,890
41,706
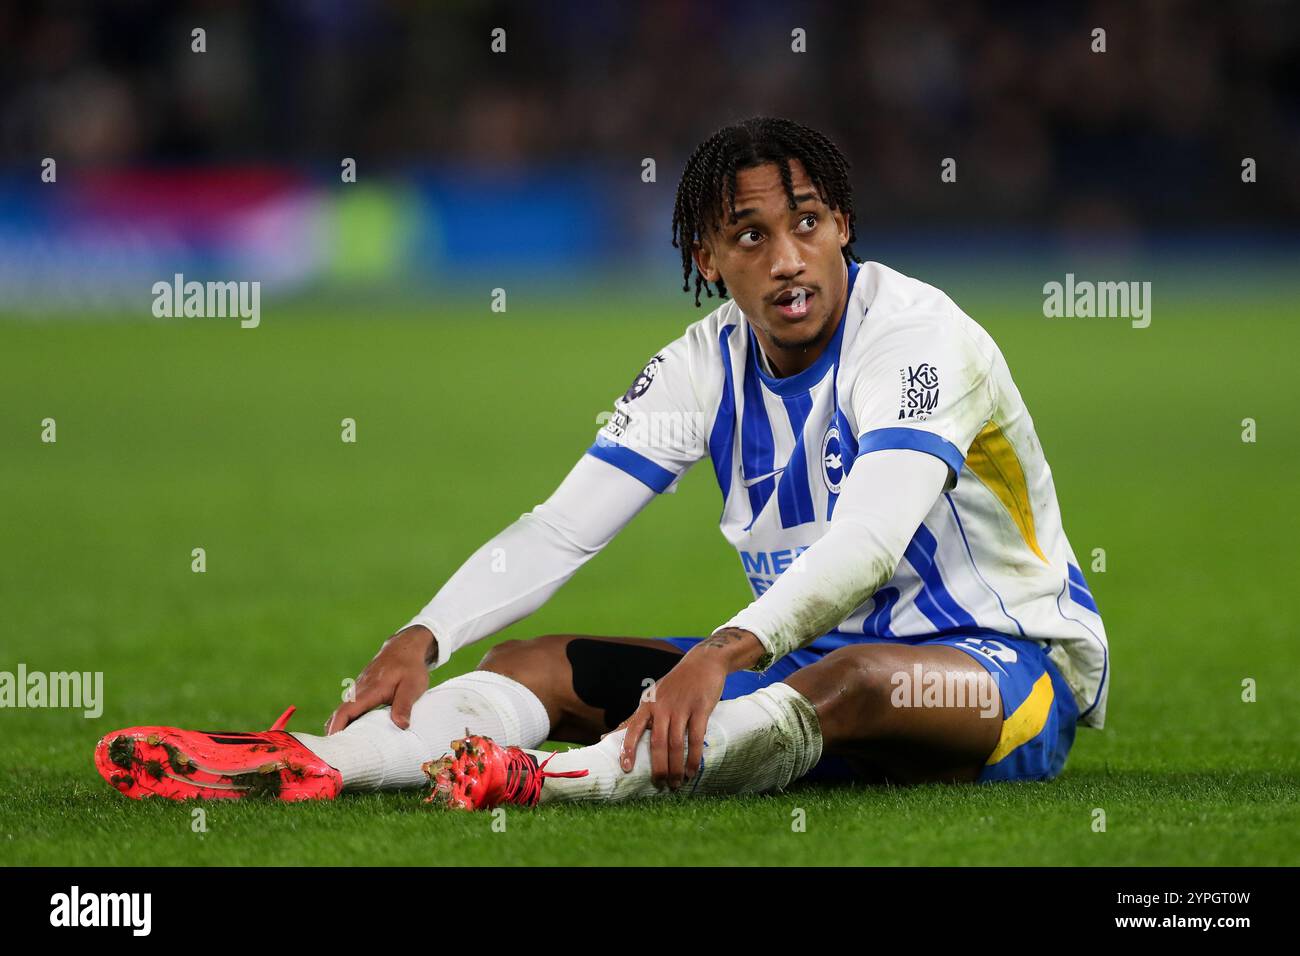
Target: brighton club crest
832,460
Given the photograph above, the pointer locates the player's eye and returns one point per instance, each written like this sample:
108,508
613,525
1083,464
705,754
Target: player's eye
805,218
740,239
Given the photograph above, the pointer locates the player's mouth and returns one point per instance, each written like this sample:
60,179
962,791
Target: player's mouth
795,302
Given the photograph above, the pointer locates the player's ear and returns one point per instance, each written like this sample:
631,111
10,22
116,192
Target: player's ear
703,253
842,225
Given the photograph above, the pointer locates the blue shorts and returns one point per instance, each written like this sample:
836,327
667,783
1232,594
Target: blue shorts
1039,713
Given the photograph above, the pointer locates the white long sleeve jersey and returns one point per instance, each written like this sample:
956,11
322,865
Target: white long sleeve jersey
963,538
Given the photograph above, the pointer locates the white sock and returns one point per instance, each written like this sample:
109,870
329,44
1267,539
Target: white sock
373,753
752,744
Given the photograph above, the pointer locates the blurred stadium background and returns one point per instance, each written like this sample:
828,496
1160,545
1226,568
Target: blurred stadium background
526,165
522,171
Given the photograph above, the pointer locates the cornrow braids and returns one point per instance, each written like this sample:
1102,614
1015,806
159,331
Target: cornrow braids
708,184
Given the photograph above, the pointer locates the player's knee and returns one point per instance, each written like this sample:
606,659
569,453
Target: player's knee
526,658
865,677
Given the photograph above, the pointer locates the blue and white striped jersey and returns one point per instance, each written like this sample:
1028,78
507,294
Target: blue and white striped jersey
905,369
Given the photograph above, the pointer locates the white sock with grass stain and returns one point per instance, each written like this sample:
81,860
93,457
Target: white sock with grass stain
753,744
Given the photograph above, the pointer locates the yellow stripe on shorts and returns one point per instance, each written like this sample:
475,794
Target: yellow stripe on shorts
1026,721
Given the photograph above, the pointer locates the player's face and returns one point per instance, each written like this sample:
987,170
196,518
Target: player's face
783,266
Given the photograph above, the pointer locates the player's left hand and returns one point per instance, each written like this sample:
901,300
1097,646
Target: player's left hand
676,710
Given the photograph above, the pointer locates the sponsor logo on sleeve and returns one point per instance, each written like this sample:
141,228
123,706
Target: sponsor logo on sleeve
920,391
616,427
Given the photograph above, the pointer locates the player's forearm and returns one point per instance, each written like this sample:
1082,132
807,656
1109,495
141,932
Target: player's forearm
885,498
819,590
504,581
518,570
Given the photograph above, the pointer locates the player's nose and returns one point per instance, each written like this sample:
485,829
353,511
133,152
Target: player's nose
787,258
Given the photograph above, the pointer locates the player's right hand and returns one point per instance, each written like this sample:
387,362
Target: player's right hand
397,675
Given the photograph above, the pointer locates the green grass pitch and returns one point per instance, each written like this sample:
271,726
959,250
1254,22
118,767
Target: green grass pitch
180,434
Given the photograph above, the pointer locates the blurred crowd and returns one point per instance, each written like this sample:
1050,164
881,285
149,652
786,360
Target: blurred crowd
1150,133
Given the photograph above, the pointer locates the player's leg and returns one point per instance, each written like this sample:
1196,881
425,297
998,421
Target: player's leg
752,704
557,686
904,713
931,711
580,686
949,709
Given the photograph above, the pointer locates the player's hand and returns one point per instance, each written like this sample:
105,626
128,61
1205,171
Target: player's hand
397,675
676,709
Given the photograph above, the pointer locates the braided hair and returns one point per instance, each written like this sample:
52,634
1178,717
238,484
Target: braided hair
708,183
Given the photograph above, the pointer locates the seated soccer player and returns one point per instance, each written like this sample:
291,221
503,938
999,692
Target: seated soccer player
918,612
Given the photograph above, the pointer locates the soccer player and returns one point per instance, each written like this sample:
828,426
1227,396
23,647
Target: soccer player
918,612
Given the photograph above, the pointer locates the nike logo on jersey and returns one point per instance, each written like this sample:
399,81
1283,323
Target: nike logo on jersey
750,482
